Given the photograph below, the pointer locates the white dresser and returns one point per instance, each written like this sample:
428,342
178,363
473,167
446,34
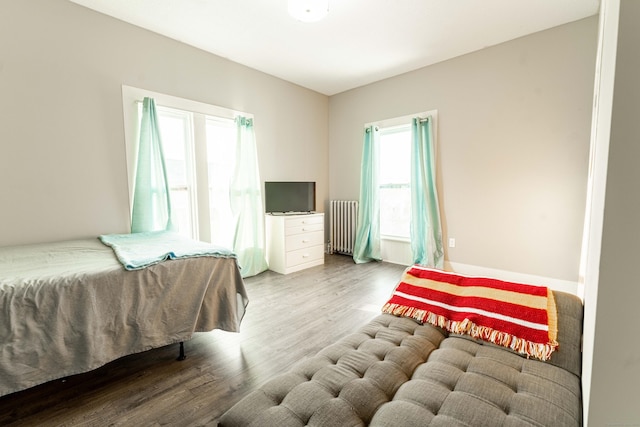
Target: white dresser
294,242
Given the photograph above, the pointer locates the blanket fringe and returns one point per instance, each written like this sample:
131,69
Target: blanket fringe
527,348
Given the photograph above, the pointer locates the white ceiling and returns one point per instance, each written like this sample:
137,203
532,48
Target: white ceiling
359,42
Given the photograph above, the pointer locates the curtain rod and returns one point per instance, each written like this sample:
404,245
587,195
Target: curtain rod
399,121
420,119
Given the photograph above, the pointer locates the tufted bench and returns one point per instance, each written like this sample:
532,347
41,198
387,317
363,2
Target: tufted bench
396,372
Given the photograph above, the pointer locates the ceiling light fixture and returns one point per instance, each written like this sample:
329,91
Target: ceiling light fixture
308,10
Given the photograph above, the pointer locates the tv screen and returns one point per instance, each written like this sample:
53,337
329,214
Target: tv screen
289,197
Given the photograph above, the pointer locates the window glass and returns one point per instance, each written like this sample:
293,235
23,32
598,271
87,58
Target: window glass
221,159
394,179
175,130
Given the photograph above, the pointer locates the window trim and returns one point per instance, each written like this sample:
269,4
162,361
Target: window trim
190,160
403,120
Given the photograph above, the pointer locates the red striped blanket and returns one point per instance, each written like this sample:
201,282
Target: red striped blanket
517,316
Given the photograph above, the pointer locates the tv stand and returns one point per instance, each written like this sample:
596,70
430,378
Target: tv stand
294,241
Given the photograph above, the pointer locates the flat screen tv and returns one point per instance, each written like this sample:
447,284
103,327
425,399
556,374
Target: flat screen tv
289,197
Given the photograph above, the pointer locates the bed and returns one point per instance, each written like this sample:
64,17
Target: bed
70,307
400,371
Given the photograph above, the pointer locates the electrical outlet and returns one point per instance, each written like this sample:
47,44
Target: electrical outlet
452,242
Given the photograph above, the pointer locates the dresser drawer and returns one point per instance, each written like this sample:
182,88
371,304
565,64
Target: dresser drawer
305,255
306,228
303,220
300,241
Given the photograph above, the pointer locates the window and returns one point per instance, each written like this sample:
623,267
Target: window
177,144
199,144
221,158
394,172
394,180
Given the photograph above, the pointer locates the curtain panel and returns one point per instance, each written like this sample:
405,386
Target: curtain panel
426,229
151,209
245,198
367,243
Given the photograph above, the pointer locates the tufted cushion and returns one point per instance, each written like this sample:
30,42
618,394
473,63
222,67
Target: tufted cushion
394,372
345,383
568,355
468,383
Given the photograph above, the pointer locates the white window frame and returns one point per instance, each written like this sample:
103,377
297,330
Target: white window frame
131,96
387,131
192,183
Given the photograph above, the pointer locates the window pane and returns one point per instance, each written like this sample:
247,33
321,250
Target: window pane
175,131
395,194
395,211
172,131
221,155
395,151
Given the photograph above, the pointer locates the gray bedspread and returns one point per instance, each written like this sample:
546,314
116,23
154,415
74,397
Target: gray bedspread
71,307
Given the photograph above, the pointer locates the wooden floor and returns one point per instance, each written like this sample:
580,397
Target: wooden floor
288,318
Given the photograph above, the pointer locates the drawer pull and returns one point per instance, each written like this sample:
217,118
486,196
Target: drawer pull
305,256
305,241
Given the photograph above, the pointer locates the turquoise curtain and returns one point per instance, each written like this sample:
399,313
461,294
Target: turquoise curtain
246,202
151,200
426,230
367,243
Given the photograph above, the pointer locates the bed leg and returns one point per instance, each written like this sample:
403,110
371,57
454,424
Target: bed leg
182,355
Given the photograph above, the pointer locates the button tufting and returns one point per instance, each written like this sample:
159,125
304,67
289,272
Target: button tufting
459,380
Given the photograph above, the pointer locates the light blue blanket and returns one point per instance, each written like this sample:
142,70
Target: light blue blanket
139,250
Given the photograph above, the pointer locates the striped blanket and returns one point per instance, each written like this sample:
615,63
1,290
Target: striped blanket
517,316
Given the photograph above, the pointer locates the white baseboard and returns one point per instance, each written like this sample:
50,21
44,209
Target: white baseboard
511,276
399,252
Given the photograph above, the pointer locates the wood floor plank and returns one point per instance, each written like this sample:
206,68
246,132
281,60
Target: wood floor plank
288,318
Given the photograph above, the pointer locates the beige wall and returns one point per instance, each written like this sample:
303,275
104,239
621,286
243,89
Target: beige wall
611,373
513,146
62,153
510,177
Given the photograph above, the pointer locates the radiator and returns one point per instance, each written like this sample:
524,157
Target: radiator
343,215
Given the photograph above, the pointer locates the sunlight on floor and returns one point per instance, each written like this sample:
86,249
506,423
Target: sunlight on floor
371,308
